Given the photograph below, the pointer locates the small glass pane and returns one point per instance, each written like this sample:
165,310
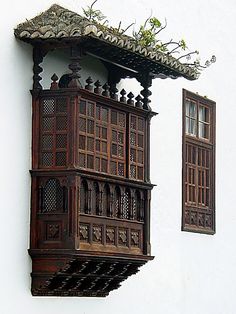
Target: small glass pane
82,125
104,115
90,109
97,165
113,117
120,151
82,107
141,124
90,126
132,172
192,127
120,138
104,165
82,160
132,138
104,147
203,130
203,114
82,139
104,133
90,144
140,157
114,136
120,169
192,110
132,155
133,123
90,162
114,149
187,105
98,148
121,120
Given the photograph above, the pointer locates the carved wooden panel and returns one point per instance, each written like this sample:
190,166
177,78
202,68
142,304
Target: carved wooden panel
53,132
89,221
137,147
101,138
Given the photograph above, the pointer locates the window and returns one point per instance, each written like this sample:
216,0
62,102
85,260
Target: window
198,164
103,140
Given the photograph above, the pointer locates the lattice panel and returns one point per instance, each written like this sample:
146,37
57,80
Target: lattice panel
54,132
83,197
126,205
47,159
136,156
48,106
197,180
102,134
52,196
47,142
60,159
61,105
61,141
111,201
47,123
197,194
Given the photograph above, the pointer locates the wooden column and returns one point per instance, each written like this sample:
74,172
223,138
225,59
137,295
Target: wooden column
74,66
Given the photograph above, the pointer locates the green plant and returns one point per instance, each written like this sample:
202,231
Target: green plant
94,15
148,37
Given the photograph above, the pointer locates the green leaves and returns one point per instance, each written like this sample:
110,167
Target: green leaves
148,37
154,22
182,44
94,15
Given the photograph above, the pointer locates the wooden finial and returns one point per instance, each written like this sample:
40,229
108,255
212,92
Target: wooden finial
123,98
130,99
89,82
54,84
113,92
106,91
74,66
98,89
138,102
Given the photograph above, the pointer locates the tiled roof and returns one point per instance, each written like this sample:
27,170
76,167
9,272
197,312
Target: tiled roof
58,23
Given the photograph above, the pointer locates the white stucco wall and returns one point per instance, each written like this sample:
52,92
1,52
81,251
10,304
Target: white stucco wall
192,273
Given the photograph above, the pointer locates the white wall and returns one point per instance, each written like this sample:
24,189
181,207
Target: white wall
192,273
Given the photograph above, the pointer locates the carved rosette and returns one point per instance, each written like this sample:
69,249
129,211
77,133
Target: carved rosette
53,231
97,234
110,236
84,233
135,238
123,237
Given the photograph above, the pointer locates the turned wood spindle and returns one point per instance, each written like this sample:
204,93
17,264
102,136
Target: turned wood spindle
138,102
89,82
54,84
130,99
113,92
106,90
98,89
123,98
74,66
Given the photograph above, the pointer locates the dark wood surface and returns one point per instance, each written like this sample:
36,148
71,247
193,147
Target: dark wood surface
90,207
198,178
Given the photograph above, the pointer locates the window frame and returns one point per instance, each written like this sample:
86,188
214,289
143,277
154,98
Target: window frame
201,144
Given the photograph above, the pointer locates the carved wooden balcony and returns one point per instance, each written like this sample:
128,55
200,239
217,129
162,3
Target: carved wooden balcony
90,190
90,204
